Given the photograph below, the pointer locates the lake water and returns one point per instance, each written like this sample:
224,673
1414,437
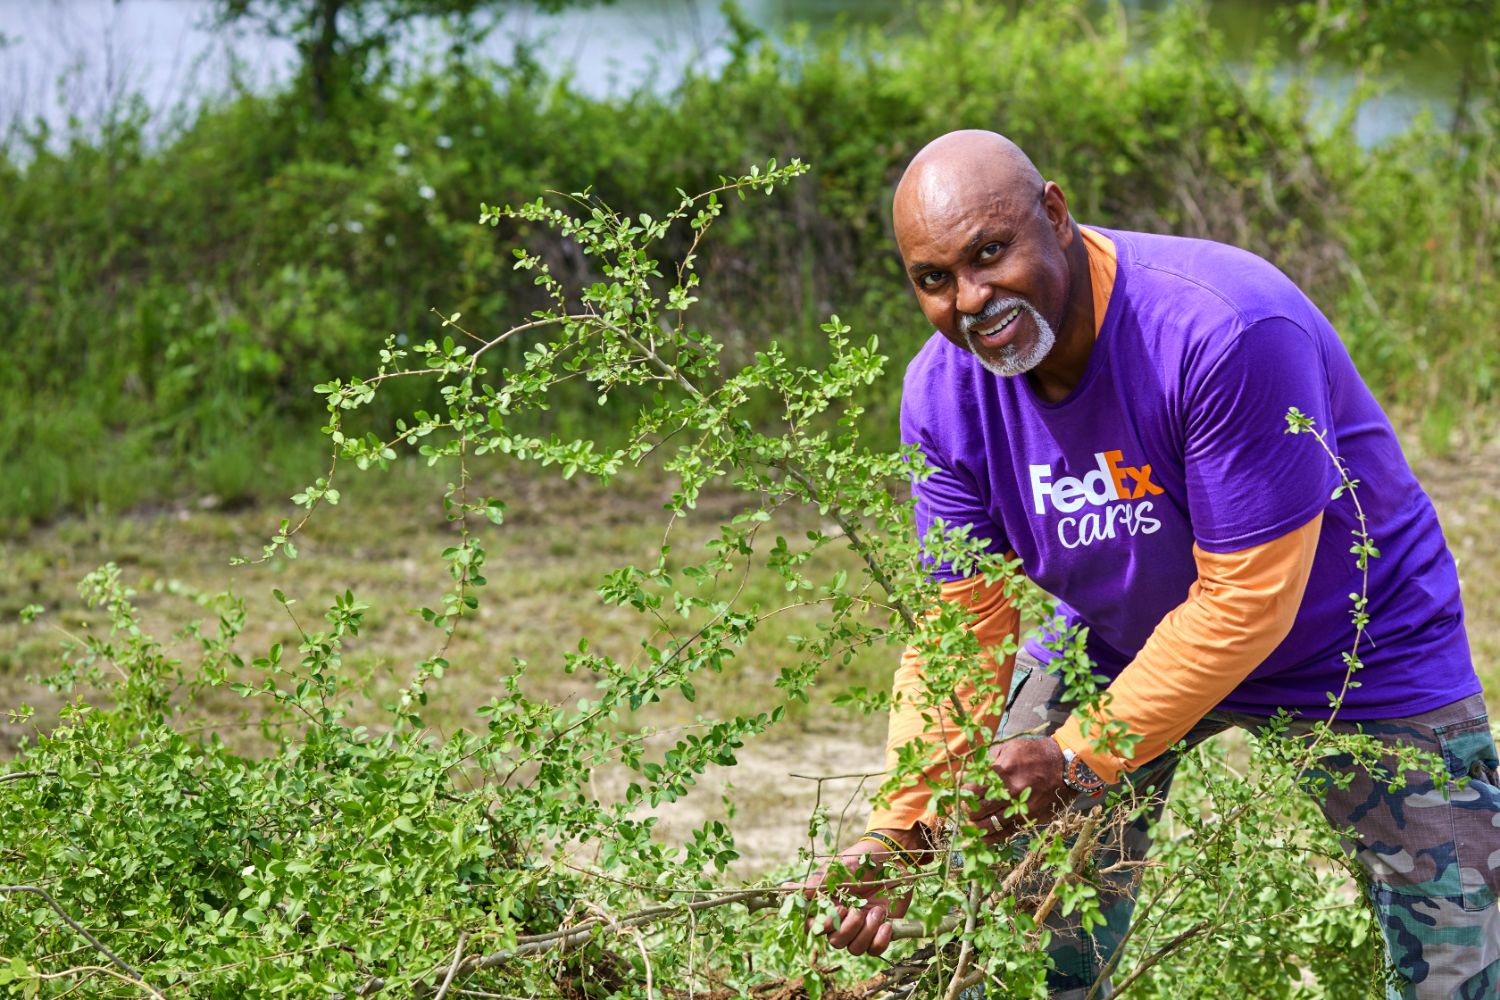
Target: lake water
72,60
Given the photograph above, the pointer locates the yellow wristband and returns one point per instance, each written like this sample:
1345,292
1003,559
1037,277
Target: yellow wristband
889,843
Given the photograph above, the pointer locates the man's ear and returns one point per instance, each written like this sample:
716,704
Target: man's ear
1055,204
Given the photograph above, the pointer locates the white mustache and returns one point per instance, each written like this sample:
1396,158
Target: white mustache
968,321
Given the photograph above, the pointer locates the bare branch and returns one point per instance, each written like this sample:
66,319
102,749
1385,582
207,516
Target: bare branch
458,956
966,950
121,963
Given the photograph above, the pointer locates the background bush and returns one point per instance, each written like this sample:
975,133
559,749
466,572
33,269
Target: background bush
176,298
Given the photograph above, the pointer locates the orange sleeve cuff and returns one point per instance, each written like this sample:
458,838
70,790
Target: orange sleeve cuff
1241,607
942,745
1104,763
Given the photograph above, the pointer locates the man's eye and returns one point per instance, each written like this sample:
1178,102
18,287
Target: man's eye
990,251
931,279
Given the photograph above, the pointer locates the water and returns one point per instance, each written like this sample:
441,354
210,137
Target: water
73,60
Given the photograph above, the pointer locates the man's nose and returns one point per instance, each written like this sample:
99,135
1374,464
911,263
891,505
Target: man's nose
973,295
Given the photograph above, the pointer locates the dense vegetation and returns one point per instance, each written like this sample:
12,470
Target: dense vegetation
179,300
176,298
364,853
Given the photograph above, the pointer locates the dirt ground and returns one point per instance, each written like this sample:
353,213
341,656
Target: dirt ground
559,541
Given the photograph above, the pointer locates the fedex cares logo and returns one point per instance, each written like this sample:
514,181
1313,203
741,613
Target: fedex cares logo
1117,493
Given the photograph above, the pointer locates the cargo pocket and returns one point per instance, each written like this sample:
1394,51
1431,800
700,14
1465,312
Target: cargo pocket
1469,753
1034,698
1024,668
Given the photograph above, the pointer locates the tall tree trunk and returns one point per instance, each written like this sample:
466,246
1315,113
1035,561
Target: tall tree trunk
322,55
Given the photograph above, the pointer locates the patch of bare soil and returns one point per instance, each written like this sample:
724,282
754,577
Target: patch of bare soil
775,793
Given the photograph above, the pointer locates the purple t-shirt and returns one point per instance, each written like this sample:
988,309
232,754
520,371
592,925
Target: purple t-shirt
1176,435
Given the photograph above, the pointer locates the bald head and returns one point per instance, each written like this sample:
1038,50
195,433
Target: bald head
955,172
994,257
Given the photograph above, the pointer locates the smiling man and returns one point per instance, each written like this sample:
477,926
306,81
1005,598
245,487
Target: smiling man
1110,408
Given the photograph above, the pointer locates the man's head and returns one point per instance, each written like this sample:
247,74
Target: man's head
985,243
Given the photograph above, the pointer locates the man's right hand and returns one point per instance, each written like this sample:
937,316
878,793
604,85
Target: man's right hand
874,895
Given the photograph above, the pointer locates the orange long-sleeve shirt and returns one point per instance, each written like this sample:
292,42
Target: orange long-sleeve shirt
1239,609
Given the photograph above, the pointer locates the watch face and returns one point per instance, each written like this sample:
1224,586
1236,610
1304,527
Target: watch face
1078,775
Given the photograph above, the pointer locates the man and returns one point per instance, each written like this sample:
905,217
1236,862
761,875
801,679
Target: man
1110,408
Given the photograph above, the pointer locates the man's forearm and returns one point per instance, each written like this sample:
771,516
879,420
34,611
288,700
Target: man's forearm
1240,609
915,720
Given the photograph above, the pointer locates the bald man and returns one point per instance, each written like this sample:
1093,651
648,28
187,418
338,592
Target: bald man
1110,408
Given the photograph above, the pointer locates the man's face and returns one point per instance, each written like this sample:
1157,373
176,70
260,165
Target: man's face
989,269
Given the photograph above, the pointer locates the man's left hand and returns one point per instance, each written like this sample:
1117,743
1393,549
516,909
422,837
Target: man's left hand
1021,763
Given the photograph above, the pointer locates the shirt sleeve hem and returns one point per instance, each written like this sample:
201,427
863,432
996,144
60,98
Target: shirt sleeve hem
900,818
1105,765
1285,526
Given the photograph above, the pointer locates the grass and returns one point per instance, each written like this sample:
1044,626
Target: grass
559,540
384,542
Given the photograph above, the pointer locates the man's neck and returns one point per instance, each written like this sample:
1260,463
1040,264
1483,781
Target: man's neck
1063,368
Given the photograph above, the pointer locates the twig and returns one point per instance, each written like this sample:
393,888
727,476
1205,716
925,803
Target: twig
80,969
563,938
851,531
971,980
640,943
458,956
966,950
39,891
1163,952
692,943
635,934
754,899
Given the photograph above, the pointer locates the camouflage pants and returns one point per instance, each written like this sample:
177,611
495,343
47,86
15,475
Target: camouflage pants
1432,854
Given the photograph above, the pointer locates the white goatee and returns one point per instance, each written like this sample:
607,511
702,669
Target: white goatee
1014,358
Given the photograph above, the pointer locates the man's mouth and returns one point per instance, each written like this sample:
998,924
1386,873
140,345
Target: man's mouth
998,332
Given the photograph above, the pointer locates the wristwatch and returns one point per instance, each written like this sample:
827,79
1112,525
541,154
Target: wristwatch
1079,776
